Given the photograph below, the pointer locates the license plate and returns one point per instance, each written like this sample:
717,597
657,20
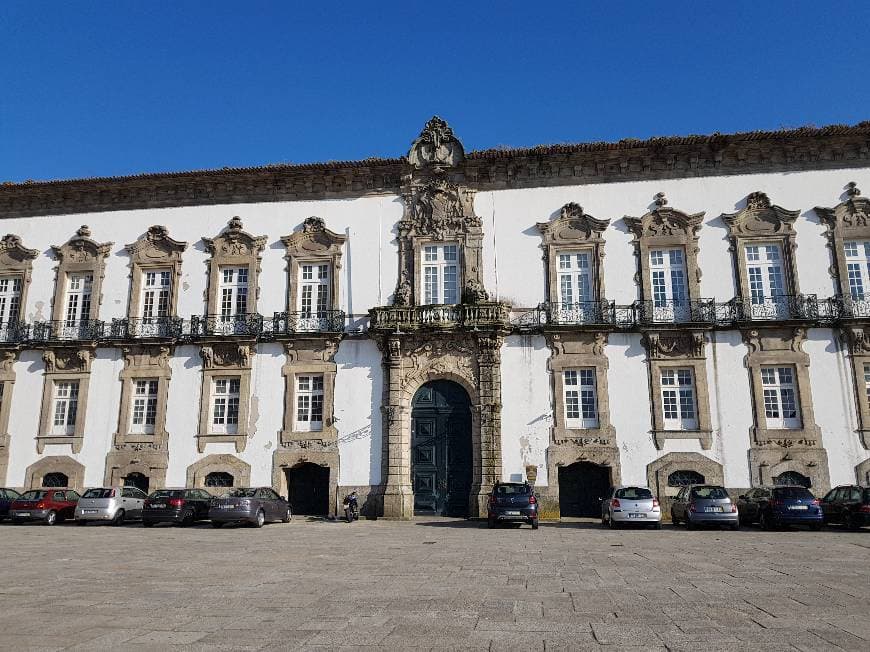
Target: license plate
798,507
712,509
89,511
512,513
23,514
227,506
637,516
158,505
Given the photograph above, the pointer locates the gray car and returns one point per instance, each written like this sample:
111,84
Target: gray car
112,504
254,505
630,505
704,504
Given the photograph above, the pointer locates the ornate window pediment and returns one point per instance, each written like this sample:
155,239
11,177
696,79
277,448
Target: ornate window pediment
848,220
80,255
13,254
16,261
234,248
666,223
760,219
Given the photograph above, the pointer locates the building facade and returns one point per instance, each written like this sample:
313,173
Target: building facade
657,312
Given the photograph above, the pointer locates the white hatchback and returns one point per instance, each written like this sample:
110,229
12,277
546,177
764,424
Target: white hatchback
629,505
112,504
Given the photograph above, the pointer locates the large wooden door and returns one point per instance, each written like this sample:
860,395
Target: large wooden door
582,485
441,452
308,486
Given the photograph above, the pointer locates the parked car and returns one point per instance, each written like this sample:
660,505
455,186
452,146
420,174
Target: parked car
628,505
778,506
48,505
847,504
512,502
704,504
113,504
6,498
254,505
182,506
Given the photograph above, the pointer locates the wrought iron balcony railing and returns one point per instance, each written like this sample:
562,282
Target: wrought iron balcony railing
473,315
14,331
585,312
321,321
146,328
850,308
67,330
781,307
245,325
687,311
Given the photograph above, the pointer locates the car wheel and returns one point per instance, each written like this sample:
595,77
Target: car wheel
490,522
119,518
735,526
658,526
764,521
147,524
674,519
216,524
81,522
535,524
187,519
610,522
260,519
853,522
287,516
816,527
51,518
689,524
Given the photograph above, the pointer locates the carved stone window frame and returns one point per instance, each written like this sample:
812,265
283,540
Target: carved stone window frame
848,220
761,222
154,250
221,360
666,227
309,357
239,469
315,244
679,349
7,382
17,260
140,363
857,339
80,254
234,248
73,470
573,230
63,364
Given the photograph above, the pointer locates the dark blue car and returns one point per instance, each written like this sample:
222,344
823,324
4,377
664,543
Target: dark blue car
6,498
777,506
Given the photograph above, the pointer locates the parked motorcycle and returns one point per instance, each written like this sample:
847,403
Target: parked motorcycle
351,507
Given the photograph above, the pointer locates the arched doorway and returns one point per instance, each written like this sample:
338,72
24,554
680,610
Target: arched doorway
138,480
441,450
55,479
308,486
582,485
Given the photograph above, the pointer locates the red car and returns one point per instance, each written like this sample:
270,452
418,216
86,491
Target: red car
48,505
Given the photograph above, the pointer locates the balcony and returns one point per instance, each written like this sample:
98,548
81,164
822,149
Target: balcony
245,325
322,321
63,330
146,328
847,308
782,307
12,332
592,313
700,312
441,317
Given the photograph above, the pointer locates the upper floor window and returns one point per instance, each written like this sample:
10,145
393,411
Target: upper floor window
314,289
764,272
857,254
156,293
575,277
309,402
233,291
225,404
581,405
66,401
679,409
144,408
781,408
10,298
78,298
440,273
668,275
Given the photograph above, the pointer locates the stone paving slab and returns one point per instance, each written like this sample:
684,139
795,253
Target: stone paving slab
432,584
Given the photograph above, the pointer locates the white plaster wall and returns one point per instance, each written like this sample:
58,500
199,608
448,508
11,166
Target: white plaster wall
527,412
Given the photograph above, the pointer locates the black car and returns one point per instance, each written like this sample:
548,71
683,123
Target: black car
513,502
182,506
6,498
780,505
849,505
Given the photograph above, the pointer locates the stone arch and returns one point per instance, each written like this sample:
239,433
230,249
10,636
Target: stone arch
120,464
793,477
240,470
657,473
74,471
287,459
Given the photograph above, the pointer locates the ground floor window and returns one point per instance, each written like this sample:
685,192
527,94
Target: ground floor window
683,478
55,479
792,478
219,479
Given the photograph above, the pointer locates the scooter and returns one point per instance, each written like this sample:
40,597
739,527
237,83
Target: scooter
351,507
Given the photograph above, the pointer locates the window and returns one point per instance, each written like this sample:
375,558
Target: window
225,405
866,381
678,399
144,408
233,291
669,284
55,479
780,397
575,278
78,298
309,402
155,294
765,278
314,284
684,478
792,478
441,274
219,479
858,268
10,298
66,400
581,405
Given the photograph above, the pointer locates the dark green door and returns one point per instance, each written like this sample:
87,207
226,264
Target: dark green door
441,454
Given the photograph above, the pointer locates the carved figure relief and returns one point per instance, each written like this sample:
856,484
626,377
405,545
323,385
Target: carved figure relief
226,355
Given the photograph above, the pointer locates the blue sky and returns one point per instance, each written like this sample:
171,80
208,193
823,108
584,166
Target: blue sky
108,88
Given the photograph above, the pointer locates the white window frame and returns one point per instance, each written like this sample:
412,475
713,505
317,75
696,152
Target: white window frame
679,398
309,402
669,284
143,406
156,293
315,289
765,279
64,407
225,403
232,291
779,391
576,286
857,255
580,398
10,299
79,290
440,273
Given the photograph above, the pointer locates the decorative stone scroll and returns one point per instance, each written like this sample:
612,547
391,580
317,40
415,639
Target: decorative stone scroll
154,250
225,360
80,255
64,364
313,243
237,248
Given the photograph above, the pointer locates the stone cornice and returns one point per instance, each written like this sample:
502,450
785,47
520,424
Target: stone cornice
806,148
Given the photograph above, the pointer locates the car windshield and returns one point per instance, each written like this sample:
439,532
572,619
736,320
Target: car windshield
634,493
512,489
33,495
98,493
710,493
167,493
241,492
791,493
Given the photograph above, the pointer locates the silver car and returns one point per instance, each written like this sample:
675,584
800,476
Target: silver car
704,504
253,505
112,504
630,505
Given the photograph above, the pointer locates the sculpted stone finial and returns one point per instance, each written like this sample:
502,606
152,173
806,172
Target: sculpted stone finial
660,200
436,145
313,224
402,296
84,231
235,223
475,292
852,189
571,210
757,201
